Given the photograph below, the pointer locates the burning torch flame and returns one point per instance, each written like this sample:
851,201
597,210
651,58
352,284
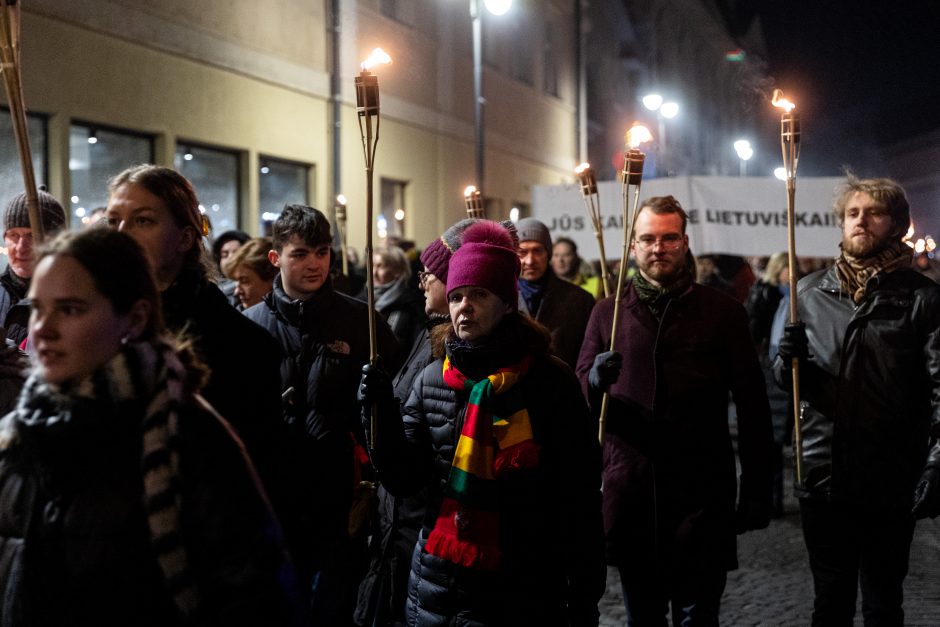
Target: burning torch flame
469,191
581,168
638,134
378,56
910,232
779,101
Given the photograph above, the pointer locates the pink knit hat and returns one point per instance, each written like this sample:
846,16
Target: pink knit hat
486,258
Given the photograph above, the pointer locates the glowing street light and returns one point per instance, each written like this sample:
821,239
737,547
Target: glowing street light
745,152
665,110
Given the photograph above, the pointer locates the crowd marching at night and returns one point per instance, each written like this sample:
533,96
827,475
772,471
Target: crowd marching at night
195,432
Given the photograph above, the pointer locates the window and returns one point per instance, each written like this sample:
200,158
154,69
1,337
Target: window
520,60
391,219
95,155
214,175
281,183
399,10
550,60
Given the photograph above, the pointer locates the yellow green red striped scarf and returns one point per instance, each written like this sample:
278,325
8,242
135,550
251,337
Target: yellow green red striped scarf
496,437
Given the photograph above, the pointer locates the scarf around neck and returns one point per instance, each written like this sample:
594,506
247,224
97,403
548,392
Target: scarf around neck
151,373
532,292
496,437
855,272
656,298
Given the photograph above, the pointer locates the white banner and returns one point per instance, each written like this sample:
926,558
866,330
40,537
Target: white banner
731,215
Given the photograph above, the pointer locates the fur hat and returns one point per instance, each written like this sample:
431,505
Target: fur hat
51,213
531,230
486,258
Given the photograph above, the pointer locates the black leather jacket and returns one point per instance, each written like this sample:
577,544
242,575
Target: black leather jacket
870,390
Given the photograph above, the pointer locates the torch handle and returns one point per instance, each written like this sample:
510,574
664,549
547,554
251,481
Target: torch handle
594,212
9,55
624,257
605,277
794,318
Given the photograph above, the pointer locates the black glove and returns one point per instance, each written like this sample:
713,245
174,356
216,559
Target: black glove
606,370
753,514
793,343
927,494
375,387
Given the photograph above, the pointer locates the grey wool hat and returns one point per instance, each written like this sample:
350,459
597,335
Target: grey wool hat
531,230
51,213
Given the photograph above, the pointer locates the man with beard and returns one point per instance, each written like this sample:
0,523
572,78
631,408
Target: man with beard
669,467
869,347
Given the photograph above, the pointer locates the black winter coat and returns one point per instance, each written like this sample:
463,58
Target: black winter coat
565,310
243,385
14,308
550,534
75,547
324,343
383,590
870,390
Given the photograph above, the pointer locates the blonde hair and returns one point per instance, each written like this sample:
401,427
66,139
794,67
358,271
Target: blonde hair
776,263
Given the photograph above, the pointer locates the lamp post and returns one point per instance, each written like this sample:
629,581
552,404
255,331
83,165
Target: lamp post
665,110
496,7
745,152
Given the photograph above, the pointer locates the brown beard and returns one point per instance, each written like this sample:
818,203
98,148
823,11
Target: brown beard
869,248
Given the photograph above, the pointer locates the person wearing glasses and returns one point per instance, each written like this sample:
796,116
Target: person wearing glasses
869,350
669,468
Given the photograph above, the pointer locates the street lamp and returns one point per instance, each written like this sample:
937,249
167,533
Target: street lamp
496,7
745,152
665,110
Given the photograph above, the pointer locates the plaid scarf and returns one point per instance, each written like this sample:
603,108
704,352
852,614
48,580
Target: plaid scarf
496,437
153,373
855,272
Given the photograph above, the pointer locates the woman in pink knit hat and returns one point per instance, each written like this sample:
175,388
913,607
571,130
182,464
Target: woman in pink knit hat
497,430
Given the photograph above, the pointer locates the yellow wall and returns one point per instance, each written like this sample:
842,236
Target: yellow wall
253,77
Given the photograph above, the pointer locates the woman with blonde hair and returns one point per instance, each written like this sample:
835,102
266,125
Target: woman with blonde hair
251,271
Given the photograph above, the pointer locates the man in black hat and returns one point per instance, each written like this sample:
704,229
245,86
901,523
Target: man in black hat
18,240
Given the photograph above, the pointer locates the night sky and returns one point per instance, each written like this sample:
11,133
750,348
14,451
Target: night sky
864,74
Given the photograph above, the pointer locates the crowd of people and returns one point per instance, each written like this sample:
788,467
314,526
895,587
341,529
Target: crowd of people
195,431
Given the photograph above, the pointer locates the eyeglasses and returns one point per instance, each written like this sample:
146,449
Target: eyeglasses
425,277
672,241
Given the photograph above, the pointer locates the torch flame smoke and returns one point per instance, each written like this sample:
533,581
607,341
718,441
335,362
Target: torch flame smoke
638,134
378,56
779,101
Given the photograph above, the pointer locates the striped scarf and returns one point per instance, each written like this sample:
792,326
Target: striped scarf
145,371
855,272
496,437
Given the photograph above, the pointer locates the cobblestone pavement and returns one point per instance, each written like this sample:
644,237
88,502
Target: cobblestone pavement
774,585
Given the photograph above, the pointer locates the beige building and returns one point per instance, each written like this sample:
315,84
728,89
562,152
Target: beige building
255,101
237,95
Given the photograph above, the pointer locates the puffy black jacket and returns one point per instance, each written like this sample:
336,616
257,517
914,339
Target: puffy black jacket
870,390
324,343
550,534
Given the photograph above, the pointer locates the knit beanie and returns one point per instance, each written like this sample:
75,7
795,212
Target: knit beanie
436,256
486,258
51,213
531,230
